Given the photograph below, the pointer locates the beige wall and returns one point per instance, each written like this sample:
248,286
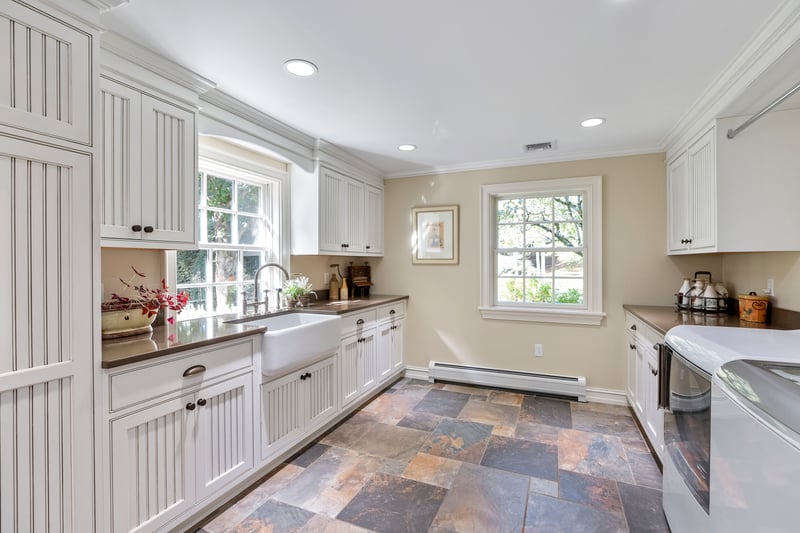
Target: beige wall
749,272
443,319
116,263
314,267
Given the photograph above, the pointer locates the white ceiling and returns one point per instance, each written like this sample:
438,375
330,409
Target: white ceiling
468,81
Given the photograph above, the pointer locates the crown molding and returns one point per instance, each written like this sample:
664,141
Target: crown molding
246,112
525,161
145,58
105,5
772,40
329,154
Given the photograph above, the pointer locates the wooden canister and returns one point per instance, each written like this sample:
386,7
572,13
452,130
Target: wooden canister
753,308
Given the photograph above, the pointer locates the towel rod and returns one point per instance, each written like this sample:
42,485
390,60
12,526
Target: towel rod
734,132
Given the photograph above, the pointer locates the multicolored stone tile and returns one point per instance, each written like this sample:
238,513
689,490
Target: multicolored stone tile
536,432
644,468
556,515
544,486
323,524
506,398
420,420
594,454
523,457
548,411
502,417
474,391
621,426
433,470
331,481
592,491
483,499
643,508
457,439
275,517
382,440
393,504
442,403
309,454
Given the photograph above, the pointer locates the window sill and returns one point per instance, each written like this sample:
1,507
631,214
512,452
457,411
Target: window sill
551,316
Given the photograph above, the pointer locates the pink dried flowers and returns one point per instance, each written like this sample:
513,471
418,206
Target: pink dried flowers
149,300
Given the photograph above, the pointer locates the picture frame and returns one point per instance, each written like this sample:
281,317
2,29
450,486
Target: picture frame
436,237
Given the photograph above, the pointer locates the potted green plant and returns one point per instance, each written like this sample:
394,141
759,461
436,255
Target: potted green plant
297,291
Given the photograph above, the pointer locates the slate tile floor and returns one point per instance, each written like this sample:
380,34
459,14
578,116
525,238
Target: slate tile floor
448,457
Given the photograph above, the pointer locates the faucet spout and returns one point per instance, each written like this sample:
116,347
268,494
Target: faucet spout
258,276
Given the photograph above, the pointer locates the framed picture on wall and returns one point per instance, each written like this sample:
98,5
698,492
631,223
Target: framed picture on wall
435,235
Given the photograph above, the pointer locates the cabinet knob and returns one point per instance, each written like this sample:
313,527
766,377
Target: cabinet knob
202,402
392,312
308,375
136,227
654,371
194,370
360,321
190,406
368,247
302,377
633,327
148,229
632,346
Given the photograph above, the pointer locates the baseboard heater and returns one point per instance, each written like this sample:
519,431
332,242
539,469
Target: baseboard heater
569,386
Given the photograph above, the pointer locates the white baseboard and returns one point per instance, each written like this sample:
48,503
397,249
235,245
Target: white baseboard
593,394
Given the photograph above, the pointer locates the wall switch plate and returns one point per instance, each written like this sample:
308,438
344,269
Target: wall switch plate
537,350
326,278
771,287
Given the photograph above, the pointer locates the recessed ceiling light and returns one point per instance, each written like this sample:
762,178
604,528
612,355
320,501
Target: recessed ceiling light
592,122
407,147
301,67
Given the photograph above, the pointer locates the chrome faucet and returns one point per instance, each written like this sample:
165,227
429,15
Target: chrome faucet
266,293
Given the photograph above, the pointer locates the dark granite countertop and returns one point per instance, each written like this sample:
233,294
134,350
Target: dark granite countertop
189,334
663,318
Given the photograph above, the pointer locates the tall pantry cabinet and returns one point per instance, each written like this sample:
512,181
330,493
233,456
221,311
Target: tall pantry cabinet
48,247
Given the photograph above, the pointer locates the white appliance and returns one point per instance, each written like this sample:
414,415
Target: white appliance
755,447
692,354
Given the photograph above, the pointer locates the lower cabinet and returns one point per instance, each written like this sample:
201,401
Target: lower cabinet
296,404
642,386
390,347
359,364
166,457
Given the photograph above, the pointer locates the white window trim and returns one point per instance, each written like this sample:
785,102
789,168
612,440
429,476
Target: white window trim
592,314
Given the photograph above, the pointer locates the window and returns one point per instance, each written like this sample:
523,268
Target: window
238,231
542,251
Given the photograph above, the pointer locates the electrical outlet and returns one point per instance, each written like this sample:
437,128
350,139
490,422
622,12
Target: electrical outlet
326,278
537,350
771,287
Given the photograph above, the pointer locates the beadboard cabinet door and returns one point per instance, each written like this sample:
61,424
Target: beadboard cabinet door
46,278
342,213
373,204
224,433
46,68
152,465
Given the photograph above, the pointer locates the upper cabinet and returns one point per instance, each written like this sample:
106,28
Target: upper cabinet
692,198
46,67
148,153
337,210
740,194
148,143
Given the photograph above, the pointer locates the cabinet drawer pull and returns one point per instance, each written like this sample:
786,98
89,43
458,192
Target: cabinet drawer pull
201,402
136,227
148,229
360,321
190,406
633,327
194,370
392,312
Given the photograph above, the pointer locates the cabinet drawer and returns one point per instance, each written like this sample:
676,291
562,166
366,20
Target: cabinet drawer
633,324
165,378
394,310
357,322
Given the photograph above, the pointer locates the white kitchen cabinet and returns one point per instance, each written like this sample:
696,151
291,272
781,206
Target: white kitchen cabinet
46,337
46,67
297,404
181,432
342,213
643,380
359,364
373,243
149,168
692,198
391,329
